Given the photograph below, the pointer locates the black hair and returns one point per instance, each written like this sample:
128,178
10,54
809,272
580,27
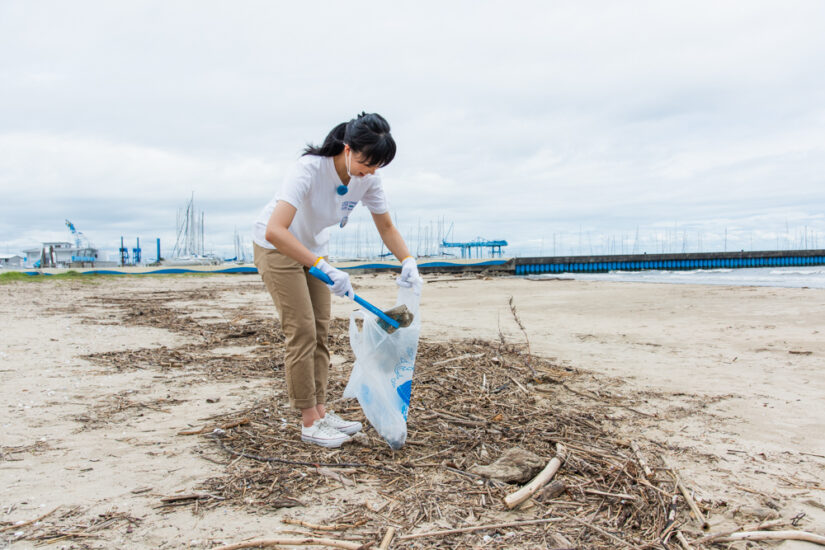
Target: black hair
368,135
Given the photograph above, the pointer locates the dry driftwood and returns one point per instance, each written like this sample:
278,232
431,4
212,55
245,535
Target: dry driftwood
683,541
599,530
553,490
287,541
207,428
642,462
338,527
514,499
478,528
385,543
761,526
700,518
774,535
24,524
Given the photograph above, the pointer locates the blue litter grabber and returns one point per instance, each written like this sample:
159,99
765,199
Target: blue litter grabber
314,271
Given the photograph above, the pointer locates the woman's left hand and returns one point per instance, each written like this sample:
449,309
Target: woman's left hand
409,274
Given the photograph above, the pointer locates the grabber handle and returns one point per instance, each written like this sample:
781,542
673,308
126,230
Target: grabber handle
315,272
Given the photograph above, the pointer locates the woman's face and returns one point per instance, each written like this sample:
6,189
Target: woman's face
356,167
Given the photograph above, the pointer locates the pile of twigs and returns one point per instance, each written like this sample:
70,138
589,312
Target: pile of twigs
66,524
471,402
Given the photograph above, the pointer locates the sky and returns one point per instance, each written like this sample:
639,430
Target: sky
561,127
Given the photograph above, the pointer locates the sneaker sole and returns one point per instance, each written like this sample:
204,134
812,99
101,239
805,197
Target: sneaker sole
324,442
352,430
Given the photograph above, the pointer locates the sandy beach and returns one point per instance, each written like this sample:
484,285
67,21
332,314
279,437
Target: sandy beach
102,378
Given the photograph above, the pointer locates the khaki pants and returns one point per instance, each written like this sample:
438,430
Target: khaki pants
303,304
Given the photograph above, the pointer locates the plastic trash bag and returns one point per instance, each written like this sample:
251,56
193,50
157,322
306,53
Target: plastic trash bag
381,378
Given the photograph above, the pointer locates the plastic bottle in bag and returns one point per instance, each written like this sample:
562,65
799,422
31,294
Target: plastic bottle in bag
381,378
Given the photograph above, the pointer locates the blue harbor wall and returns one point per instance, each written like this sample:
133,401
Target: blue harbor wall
668,262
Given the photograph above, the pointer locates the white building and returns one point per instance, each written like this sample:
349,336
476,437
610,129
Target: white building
11,261
60,254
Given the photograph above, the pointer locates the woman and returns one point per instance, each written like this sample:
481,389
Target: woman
291,235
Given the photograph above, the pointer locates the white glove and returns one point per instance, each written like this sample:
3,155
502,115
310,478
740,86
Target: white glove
409,274
341,286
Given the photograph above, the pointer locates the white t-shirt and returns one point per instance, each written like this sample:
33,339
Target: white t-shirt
311,188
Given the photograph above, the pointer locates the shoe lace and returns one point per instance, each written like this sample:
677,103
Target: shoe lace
332,416
326,429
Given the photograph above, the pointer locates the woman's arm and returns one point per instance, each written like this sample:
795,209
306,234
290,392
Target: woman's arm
391,236
277,233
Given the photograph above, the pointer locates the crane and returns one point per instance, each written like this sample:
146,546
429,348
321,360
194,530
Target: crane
84,250
78,236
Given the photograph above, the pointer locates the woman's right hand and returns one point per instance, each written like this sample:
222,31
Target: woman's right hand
341,285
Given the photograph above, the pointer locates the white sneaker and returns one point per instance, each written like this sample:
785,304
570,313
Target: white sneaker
345,426
323,434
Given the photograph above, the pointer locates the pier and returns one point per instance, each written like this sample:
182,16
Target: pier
671,262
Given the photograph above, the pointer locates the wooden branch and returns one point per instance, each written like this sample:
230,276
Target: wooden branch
624,496
700,518
478,528
207,428
25,523
286,541
774,535
642,462
683,541
523,331
599,530
692,503
385,543
514,499
337,527
459,358
762,526
553,490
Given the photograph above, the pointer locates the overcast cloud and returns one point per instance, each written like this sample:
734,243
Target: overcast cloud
580,123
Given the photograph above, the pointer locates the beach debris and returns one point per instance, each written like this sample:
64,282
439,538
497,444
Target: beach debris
514,499
30,522
554,490
697,513
474,400
516,465
529,355
293,541
399,313
385,542
69,524
316,527
222,428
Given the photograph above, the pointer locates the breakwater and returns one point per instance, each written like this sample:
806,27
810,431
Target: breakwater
670,262
515,266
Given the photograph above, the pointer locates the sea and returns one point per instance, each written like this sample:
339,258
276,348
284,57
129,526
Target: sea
790,277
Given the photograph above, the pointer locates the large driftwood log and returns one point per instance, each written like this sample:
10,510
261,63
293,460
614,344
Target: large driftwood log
514,499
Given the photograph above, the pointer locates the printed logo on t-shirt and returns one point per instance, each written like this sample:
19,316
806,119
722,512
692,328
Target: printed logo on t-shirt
346,208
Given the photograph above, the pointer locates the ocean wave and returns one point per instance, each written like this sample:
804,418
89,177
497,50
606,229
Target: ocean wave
806,272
